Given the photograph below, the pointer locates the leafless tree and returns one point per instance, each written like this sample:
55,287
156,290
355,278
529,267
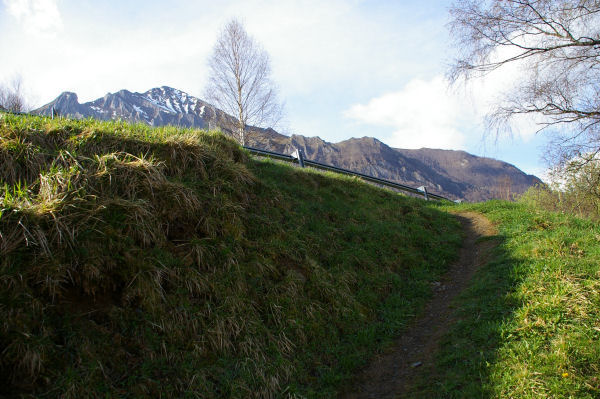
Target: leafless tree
12,97
239,80
557,43
504,187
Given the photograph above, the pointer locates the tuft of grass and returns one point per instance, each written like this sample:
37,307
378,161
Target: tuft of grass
529,326
164,262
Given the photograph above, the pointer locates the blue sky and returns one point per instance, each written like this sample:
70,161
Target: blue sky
345,68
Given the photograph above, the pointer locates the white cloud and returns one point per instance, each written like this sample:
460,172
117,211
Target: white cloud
428,113
36,16
422,114
347,45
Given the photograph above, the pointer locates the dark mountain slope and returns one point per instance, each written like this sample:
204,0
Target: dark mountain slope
370,156
485,176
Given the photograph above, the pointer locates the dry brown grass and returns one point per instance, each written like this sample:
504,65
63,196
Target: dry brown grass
64,182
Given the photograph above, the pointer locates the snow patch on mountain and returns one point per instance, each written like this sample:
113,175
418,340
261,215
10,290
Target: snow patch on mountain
98,109
160,102
140,111
172,100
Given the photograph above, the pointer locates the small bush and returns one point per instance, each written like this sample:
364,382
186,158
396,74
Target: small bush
577,192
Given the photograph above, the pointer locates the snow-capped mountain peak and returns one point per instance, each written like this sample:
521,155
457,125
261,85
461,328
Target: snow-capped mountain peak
158,106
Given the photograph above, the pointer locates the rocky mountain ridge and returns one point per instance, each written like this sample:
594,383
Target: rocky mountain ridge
455,174
156,107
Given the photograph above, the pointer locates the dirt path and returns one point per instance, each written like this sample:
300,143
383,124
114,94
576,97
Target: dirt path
389,375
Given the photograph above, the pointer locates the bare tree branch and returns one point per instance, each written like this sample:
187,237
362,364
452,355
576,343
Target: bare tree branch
557,44
12,97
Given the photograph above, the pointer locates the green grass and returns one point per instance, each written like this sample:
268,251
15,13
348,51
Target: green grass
529,325
141,262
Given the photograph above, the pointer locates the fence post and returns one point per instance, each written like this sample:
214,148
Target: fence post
299,155
424,190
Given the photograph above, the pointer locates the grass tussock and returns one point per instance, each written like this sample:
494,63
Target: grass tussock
142,262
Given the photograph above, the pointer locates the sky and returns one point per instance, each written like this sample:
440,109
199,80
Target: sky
344,68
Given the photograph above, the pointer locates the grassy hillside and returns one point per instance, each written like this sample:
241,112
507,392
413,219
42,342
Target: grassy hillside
140,262
529,325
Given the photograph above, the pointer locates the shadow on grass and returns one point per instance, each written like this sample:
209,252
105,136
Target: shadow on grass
470,348
393,247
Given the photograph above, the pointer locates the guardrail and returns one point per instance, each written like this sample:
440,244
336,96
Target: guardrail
298,157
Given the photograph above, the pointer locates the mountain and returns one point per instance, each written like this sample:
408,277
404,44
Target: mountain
156,107
486,177
455,174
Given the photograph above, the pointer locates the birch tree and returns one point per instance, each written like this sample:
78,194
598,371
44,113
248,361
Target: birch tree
557,44
239,80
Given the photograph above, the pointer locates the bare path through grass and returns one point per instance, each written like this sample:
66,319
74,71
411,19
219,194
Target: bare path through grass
390,375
